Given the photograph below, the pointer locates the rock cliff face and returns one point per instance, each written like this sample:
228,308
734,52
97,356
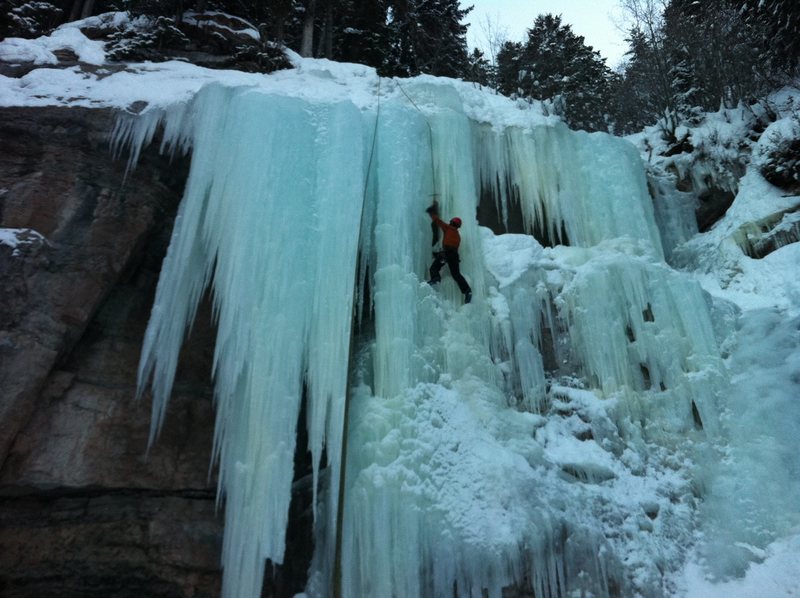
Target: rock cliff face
83,511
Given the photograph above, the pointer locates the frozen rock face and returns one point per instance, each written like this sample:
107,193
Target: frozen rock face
470,466
83,511
55,180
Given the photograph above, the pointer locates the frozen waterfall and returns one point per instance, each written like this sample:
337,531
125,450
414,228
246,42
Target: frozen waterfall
552,435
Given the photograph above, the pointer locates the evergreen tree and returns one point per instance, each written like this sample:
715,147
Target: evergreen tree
556,64
642,79
479,69
282,16
364,34
648,71
509,69
725,45
427,36
23,18
625,108
685,93
780,20
686,56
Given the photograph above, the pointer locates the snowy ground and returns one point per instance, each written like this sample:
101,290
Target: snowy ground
765,292
775,576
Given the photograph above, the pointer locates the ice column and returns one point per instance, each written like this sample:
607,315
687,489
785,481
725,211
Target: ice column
403,189
639,326
407,175
446,487
273,199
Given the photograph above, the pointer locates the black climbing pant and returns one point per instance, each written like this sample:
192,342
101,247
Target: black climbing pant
449,257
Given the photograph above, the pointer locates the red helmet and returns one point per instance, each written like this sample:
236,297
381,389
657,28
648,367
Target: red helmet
455,222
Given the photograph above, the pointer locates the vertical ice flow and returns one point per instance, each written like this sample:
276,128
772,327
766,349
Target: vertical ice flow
463,468
269,214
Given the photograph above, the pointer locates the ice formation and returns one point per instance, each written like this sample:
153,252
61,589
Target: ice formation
549,436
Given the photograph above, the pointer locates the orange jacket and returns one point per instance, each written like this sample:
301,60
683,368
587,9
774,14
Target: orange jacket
451,237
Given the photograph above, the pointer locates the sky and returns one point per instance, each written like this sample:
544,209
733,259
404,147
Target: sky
593,19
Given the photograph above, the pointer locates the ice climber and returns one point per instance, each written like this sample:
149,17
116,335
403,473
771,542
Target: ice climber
449,253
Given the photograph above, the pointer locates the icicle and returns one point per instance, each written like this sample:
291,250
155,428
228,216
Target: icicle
272,199
137,131
590,186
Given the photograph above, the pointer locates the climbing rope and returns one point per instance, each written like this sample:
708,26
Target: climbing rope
337,566
434,195
430,134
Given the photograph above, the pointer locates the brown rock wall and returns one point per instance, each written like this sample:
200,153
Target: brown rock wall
122,544
57,178
84,511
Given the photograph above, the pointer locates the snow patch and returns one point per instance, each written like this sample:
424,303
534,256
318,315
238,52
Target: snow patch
41,50
773,574
17,238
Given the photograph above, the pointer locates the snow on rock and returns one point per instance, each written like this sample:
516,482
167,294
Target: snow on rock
109,20
17,49
750,510
41,50
718,260
164,84
19,237
509,256
216,20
